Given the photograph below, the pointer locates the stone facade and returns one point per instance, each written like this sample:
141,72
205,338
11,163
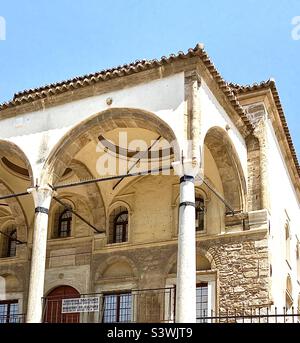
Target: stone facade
240,247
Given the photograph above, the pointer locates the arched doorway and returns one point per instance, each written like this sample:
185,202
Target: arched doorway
53,305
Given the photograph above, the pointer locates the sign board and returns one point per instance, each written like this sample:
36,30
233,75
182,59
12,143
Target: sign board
74,305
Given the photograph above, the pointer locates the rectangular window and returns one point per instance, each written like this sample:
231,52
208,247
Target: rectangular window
117,308
9,311
205,302
202,302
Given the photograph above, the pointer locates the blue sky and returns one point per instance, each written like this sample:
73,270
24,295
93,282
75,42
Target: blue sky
249,40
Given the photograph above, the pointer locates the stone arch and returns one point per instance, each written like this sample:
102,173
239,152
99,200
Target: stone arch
202,256
9,148
115,261
81,134
17,212
59,285
118,203
229,166
207,255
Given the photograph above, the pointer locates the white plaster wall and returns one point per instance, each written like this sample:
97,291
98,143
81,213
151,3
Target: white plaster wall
284,204
213,114
44,128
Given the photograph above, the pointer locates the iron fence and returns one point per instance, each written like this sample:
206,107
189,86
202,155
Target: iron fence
134,306
145,306
252,315
12,318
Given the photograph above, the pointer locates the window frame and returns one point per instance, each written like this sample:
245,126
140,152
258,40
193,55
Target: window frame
124,228
7,316
117,309
200,197
287,233
12,241
67,220
211,278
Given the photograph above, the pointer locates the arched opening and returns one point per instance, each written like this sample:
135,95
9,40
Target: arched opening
100,125
12,218
118,225
15,177
225,166
116,278
288,294
112,135
55,309
8,241
61,225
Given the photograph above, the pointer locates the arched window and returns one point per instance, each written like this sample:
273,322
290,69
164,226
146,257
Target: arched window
287,243
12,244
288,293
118,230
199,215
64,224
8,242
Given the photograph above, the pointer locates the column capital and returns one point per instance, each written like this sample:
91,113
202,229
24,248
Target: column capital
186,168
42,197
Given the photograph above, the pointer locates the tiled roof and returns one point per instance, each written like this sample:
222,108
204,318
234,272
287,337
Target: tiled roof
31,95
270,84
230,90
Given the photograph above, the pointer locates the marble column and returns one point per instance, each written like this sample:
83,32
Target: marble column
42,198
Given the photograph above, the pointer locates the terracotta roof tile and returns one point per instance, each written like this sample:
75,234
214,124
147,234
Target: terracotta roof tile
31,95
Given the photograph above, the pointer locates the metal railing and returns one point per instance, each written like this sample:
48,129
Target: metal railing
145,306
252,315
12,318
134,306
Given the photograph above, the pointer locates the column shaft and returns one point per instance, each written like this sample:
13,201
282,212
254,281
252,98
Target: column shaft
42,198
186,260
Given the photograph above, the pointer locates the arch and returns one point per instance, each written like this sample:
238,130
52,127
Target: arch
8,148
107,120
204,259
119,203
17,212
53,305
229,166
107,267
117,209
62,290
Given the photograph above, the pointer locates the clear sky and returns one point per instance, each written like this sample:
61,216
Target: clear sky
248,40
